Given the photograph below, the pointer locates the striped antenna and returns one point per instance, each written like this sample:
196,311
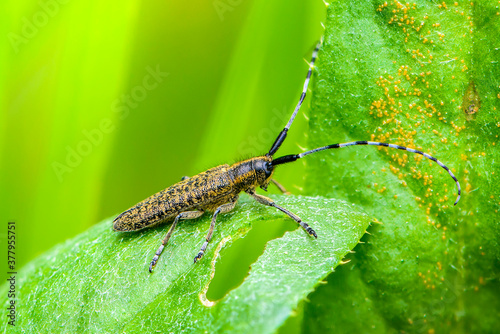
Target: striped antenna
281,137
290,158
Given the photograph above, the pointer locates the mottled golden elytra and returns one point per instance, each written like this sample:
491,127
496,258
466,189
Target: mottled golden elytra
217,189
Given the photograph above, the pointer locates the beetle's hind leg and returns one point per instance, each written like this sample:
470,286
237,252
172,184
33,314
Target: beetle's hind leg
267,201
182,215
221,209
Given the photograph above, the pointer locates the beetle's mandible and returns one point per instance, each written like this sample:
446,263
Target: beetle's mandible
216,190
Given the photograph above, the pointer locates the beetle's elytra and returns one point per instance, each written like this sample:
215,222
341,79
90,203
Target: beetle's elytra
217,189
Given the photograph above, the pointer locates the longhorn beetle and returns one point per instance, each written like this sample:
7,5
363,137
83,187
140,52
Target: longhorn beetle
217,189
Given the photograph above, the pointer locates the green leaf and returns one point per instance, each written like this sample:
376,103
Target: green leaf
99,281
425,75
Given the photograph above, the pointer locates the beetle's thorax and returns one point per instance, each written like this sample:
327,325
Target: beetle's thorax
251,173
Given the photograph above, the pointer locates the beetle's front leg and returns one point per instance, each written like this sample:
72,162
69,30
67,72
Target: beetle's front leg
267,201
280,187
221,209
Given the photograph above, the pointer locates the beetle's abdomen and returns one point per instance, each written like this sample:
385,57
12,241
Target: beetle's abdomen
200,192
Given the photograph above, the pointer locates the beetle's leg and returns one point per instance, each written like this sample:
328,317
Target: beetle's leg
221,209
182,215
267,201
280,187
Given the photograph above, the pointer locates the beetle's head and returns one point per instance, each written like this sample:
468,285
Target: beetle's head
264,170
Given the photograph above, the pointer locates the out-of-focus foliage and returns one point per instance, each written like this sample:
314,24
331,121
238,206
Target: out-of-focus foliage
105,103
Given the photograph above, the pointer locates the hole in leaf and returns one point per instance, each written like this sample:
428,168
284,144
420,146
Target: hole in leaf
293,324
234,264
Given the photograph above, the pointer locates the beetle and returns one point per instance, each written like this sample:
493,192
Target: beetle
217,189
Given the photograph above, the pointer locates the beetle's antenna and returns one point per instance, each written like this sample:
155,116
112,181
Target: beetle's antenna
290,158
282,135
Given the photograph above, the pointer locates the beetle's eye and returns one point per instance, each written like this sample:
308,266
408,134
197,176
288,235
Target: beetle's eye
268,169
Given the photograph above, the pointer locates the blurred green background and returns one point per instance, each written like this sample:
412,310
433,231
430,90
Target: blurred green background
106,103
